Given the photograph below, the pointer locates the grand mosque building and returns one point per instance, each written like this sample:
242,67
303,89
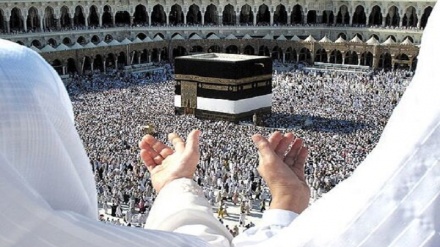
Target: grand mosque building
83,36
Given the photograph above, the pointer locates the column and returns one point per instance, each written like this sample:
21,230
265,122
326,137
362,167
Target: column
383,20
343,59
8,27
401,22
58,23
41,24
71,22
149,19
237,18
64,69
328,56
158,57
25,22
139,57
289,16
131,20
334,20
255,18
271,18
359,58
297,58
149,58
100,21
203,17
304,17
113,19
220,19
284,57
419,23
167,17
103,63
184,17
91,64
86,20
351,21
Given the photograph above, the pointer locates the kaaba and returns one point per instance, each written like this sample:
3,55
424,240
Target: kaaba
222,86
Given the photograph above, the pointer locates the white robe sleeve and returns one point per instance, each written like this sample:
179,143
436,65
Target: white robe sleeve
182,207
274,220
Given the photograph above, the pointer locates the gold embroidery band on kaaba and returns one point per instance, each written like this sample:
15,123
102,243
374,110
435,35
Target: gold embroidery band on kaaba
212,80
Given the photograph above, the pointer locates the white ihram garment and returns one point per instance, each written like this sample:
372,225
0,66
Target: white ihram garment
393,197
47,191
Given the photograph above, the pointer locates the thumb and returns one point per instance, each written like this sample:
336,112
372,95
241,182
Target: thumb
263,146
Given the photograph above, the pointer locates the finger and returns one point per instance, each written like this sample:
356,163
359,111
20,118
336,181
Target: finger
149,139
300,162
192,143
274,139
177,142
291,156
155,156
148,160
284,144
162,149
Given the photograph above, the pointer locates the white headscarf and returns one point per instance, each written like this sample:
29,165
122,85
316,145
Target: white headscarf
47,191
393,198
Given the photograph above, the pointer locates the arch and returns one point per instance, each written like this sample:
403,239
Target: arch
57,66
392,37
280,15
232,49
107,18
321,56
296,15
108,38
140,16
196,49
36,43
78,18
367,59
375,18
67,41
93,17
425,16
291,55
211,16
246,15
141,36
49,18
311,17
375,36
16,20
263,15
81,40
385,61
179,51
214,48
52,42
229,17
194,15
328,17
122,60
336,57
393,18
122,18
163,36
95,39
2,22
359,36
343,16
305,55
249,50
65,17
277,53
71,66
98,63
409,38
343,35
33,19
351,57
158,17
87,65
263,51
110,61
176,16
359,17
410,18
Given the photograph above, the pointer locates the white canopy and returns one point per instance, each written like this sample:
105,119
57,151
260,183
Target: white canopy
137,40
340,40
114,42
125,42
231,36
195,37
246,36
310,39
268,36
76,46
213,36
325,40
177,37
48,48
62,47
148,39
295,38
389,41
372,41
406,42
281,37
356,39
102,43
90,45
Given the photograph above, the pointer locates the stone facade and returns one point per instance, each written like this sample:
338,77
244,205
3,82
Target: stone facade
166,29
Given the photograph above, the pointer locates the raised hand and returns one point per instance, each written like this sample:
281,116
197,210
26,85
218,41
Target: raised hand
281,164
166,164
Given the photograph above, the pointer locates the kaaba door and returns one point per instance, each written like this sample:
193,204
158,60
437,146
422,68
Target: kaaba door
189,97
